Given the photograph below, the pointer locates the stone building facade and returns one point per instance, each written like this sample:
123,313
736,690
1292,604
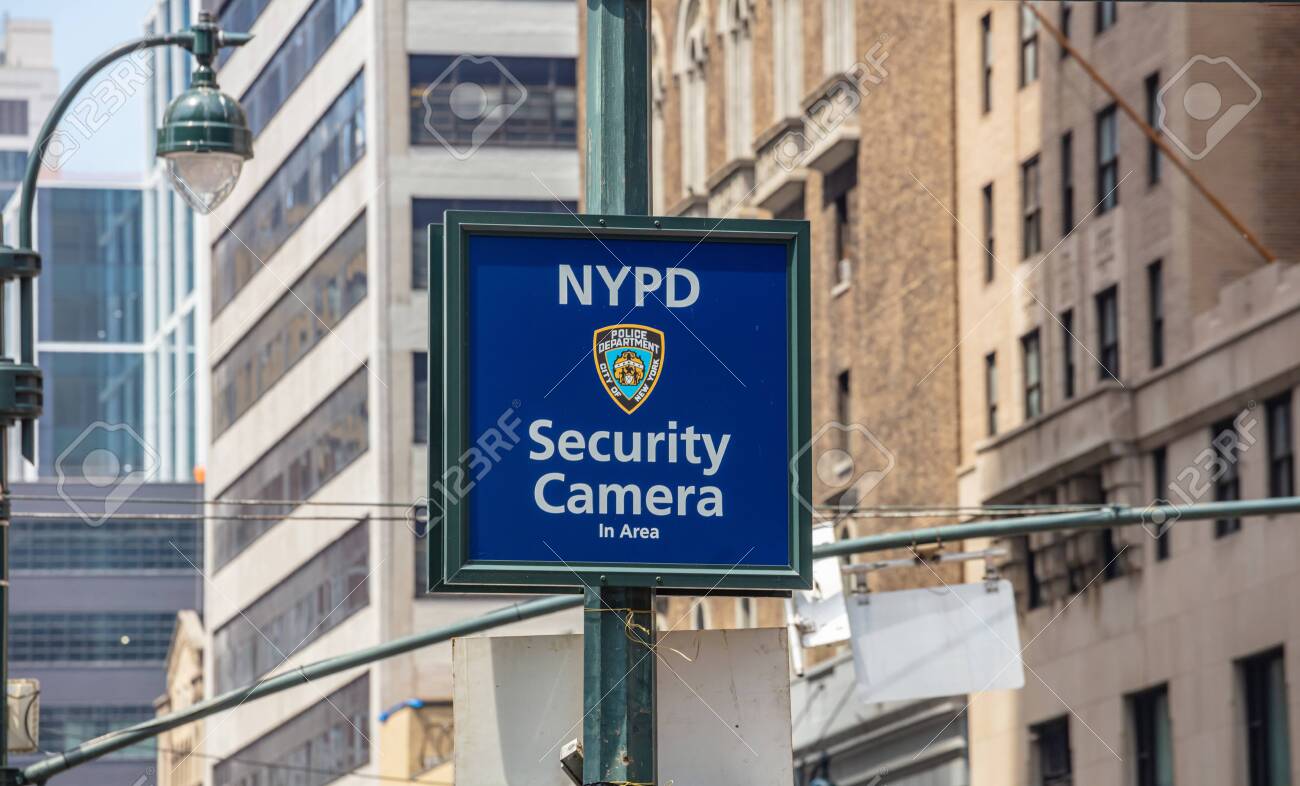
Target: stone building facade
1122,343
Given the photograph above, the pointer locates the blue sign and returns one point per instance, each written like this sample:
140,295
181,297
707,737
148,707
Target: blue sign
624,401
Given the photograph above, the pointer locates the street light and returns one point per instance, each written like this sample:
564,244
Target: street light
205,140
204,136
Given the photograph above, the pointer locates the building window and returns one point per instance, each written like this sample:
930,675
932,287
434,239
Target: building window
1226,443
76,637
1031,350
991,391
1067,11
1067,183
313,600
315,747
986,61
1028,46
303,47
124,546
692,57
425,212
532,102
738,57
1067,354
1108,332
839,189
1153,115
1031,208
1160,482
1051,742
843,404
990,260
1152,741
1107,14
837,35
787,56
1156,311
64,726
1034,588
85,387
308,174
420,390
313,307
1107,159
1281,447
313,452
238,15
1268,746
13,117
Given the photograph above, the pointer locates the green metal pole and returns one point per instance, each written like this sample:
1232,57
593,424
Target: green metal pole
618,668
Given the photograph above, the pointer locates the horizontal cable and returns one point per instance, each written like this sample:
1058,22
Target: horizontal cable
117,516
164,501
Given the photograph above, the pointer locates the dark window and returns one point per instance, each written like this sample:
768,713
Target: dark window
302,48
1156,309
1028,46
64,726
311,171
313,600
1107,159
524,102
13,166
1112,568
1033,355
125,545
420,389
1067,183
1067,11
1067,354
1107,15
1268,746
843,257
1226,443
1152,741
65,637
1153,115
991,390
1034,588
1052,750
313,748
989,258
1160,480
318,448
986,61
1281,447
843,406
315,305
429,211
1108,332
839,188
13,116
1031,208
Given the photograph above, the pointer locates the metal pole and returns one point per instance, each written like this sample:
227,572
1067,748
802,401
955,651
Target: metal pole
618,666
89,751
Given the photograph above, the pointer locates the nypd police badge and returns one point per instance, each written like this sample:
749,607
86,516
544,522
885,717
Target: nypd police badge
629,359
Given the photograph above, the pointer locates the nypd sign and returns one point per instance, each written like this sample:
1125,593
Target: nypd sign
624,401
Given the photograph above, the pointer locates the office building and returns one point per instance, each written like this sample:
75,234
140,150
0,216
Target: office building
318,337
28,87
93,607
1123,343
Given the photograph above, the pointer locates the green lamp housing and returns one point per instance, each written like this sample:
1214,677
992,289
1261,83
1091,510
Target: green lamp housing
205,140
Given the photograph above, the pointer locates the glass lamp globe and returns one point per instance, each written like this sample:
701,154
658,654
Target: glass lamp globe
205,140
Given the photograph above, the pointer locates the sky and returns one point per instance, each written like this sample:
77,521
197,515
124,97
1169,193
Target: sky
84,29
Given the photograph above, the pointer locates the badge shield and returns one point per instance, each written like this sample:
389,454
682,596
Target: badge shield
629,359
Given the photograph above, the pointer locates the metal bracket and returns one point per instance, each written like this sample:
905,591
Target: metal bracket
21,393
16,263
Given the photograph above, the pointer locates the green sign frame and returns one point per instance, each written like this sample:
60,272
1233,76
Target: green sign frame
447,536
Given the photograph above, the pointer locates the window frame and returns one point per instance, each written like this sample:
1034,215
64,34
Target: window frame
1108,321
986,62
1031,351
1067,183
1227,486
1156,312
1107,162
1031,206
988,207
1029,63
991,392
1281,445
1068,370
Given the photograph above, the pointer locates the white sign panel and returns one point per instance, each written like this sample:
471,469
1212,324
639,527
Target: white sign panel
723,715
820,611
941,641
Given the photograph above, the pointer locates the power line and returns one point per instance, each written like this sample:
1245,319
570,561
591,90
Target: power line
259,502
192,517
